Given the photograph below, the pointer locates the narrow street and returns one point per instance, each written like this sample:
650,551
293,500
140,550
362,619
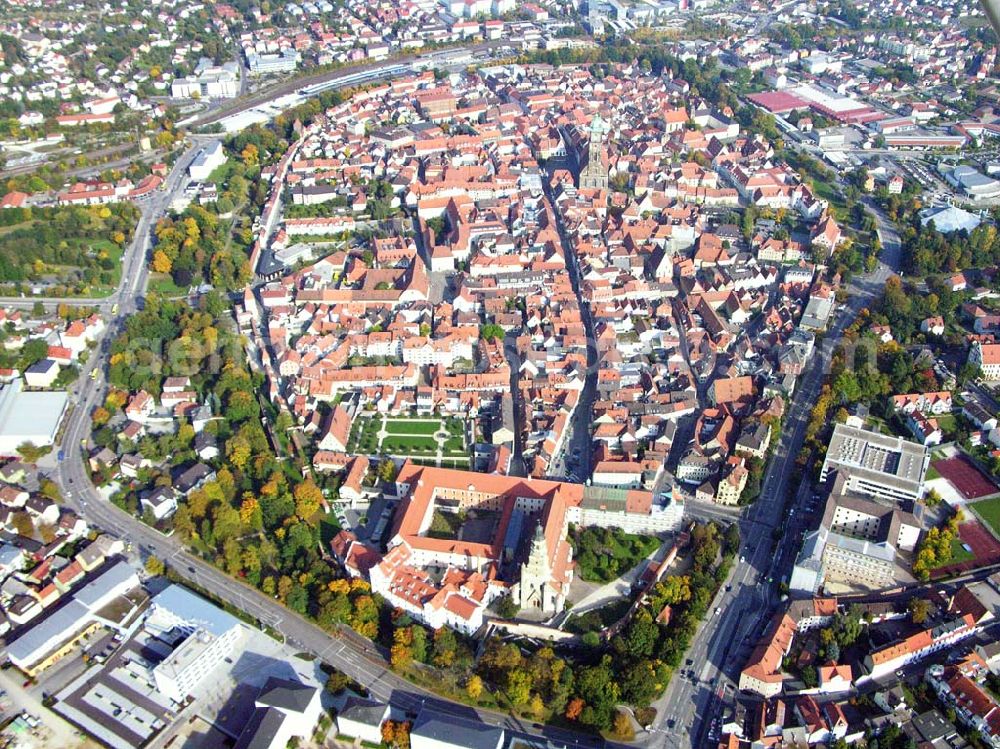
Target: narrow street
517,465
574,461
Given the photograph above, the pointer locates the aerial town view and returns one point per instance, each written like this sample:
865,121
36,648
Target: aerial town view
500,374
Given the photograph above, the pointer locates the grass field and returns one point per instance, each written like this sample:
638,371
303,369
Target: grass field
989,511
162,283
417,437
958,552
405,444
948,424
412,426
829,193
597,619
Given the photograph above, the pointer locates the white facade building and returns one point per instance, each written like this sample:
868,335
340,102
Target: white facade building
362,719
208,82
210,635
207,161
877,465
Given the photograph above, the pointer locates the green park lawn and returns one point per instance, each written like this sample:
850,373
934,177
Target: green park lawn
162,283
405,444
412,426
948,424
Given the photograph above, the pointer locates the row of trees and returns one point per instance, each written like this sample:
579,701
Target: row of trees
935,548
441,648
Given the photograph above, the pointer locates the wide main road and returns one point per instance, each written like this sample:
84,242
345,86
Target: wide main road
684,711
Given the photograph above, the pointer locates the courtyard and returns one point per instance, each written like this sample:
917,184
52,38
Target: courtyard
431,440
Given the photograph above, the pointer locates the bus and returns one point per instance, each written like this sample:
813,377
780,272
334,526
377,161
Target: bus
114,308
93,374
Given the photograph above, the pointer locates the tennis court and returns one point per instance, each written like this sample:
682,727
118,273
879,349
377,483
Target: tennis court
964,476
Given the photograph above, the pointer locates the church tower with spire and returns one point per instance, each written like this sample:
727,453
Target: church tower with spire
535,588
595,175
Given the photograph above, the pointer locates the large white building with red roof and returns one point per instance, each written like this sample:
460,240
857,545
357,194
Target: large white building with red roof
444,580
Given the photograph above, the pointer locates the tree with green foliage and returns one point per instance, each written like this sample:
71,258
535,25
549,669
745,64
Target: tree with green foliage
491,332
32,453
386,470
919,609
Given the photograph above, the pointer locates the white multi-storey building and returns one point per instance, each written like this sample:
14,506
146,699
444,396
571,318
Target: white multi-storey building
205,636
876,464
